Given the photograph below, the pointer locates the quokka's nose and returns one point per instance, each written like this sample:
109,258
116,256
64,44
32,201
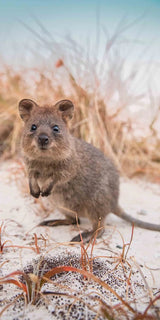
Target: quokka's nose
43,140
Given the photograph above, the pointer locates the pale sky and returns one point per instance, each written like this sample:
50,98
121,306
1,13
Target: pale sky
79,20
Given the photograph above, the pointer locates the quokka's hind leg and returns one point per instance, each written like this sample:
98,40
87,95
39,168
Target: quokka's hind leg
71,219
59,222
97,230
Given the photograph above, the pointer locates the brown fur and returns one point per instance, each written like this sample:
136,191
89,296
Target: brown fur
76,174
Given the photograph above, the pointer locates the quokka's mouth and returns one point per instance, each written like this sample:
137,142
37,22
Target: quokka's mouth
43,148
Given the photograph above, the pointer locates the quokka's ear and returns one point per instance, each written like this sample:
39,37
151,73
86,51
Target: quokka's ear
66,109
25,107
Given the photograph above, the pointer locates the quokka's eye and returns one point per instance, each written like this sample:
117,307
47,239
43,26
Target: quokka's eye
33,127
56,128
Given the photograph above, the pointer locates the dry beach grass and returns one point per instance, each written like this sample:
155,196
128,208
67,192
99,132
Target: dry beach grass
103,96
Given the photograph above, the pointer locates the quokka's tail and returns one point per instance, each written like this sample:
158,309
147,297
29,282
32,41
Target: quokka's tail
139,223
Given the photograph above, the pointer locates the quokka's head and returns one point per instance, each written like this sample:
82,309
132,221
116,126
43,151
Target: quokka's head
45,133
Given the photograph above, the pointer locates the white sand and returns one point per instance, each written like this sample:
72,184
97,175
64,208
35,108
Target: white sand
139,198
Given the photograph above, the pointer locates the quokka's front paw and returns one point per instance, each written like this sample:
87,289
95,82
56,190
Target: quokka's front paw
45,193
35,194
34,190
47,189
